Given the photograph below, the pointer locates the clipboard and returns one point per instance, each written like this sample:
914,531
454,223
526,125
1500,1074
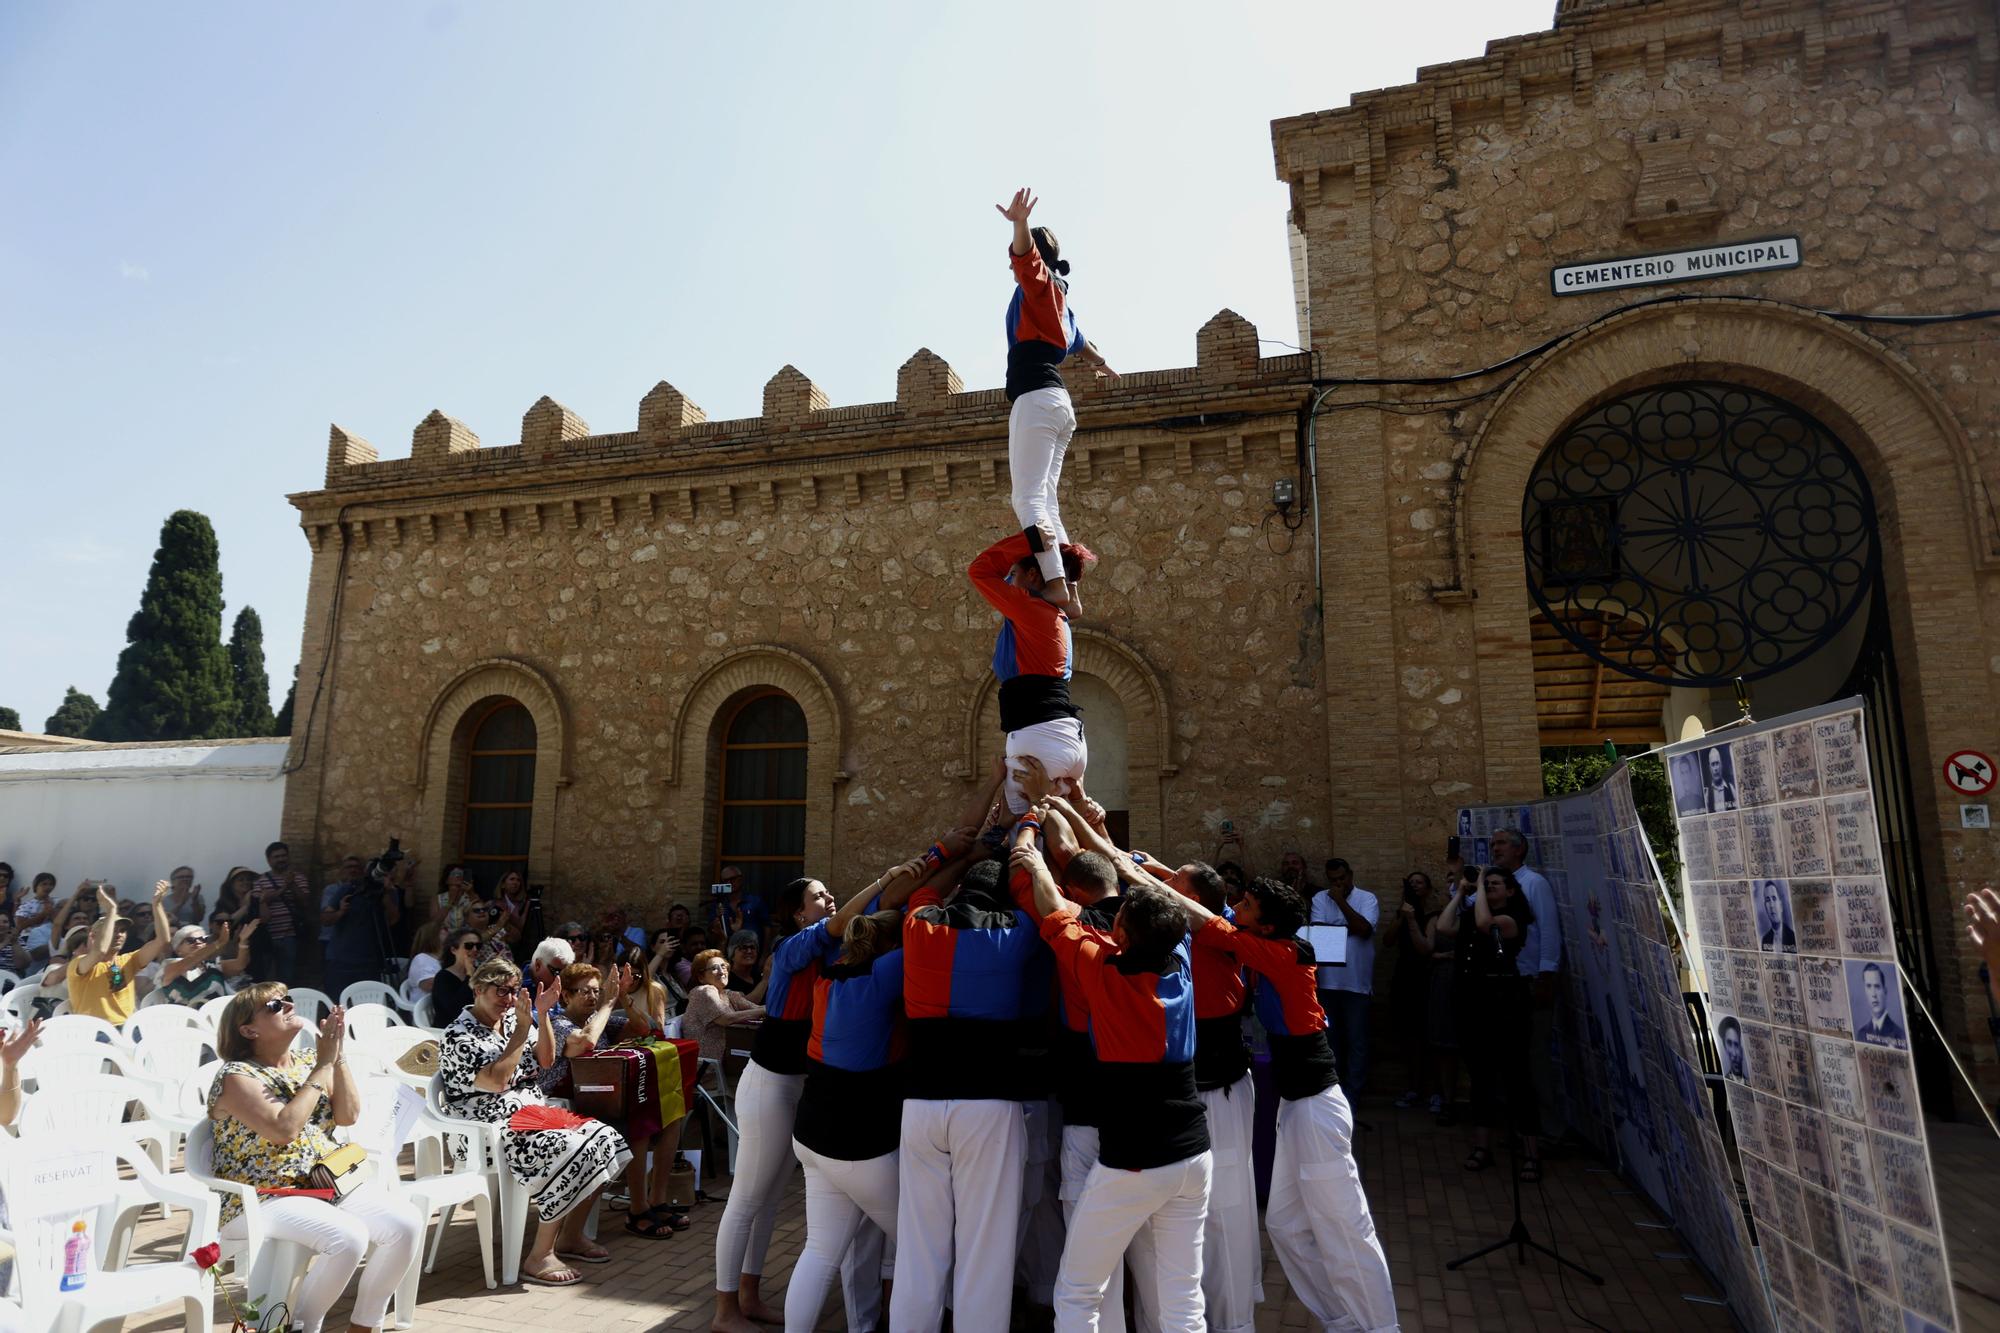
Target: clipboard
1329,942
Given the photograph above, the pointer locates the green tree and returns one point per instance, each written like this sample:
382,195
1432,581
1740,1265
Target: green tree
10,719
248,679
283,726
76,716
173,680
1568,770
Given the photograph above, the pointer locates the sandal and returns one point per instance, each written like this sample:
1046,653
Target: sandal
643,1224
561,1276
585,1256
1478,1160
677,1218
1531,1171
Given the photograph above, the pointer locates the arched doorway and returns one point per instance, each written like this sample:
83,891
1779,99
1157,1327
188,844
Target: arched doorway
499,811
1702,536
761,792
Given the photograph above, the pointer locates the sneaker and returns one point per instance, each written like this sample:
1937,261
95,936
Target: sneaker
1406,1101
1437,1103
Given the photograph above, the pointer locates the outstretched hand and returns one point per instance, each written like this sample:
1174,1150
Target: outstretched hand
18,1045
546,997
1034,779
1017,211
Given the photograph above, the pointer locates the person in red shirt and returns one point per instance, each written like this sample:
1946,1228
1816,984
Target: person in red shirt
1032,657
1041,333
1317,1215
1136,987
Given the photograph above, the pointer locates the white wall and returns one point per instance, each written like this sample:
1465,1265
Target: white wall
131,814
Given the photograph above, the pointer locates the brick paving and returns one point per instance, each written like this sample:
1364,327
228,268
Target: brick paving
1427,1208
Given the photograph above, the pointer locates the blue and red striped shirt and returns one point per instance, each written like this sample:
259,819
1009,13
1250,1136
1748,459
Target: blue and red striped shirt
966,971
780,1045
1041,328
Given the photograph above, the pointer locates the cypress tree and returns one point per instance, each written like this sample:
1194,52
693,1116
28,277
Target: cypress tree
10,719
76,717
173,680
283,726
249,681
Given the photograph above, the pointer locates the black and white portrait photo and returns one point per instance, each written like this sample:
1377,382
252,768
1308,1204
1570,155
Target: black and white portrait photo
1774,916
1876,1002
1718,779
1729,1041
1688,782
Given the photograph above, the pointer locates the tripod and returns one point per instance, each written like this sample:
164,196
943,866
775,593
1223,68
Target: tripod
1518,1236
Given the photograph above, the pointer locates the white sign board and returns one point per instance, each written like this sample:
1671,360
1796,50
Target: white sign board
1708,261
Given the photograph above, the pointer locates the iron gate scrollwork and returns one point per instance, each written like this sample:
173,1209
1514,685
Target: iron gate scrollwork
1719,532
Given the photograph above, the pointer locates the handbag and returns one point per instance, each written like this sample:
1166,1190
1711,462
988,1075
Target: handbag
339,1170
603,1086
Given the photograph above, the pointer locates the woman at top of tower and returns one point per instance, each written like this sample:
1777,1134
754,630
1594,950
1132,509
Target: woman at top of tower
1041,333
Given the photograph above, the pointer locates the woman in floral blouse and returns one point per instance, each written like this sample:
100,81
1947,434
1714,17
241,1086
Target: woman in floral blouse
491,1063
273,1111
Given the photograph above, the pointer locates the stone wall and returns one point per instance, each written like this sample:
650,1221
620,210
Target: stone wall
1432,215
627,587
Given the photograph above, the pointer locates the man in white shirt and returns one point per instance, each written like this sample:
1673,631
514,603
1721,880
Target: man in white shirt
1344,990
1541,959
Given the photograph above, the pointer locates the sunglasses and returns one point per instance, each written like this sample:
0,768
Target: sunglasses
277,1005
197,940
463,945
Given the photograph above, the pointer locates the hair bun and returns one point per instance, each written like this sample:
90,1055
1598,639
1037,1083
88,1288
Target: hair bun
1062,267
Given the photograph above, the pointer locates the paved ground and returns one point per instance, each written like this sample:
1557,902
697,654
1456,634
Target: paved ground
1426,1206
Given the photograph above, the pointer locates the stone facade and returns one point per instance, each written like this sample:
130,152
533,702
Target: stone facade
1432,215
627,587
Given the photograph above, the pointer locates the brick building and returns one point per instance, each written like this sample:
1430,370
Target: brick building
616,660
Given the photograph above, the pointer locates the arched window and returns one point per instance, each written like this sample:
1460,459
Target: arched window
763,806
499,791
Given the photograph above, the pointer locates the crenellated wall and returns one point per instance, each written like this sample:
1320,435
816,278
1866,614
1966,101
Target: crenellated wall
632,585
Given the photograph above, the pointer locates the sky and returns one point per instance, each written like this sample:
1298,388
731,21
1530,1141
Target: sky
228,225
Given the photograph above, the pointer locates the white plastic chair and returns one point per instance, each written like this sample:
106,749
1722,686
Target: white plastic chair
18,1004
212,1010
31,1171
312,1003
91,1103
374,992
483,1154
422,1017
8,980
368,1018
166,1018
81,1029
441,1183
268,1267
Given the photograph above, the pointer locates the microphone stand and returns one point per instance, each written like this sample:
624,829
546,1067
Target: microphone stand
1517,1235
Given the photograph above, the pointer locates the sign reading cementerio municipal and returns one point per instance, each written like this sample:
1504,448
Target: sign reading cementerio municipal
1708,261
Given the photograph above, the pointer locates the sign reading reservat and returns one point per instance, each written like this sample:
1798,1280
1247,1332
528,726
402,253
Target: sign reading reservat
1708,261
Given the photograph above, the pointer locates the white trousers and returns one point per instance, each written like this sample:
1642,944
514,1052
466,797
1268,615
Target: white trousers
767,1106
1039,1238
958,1195
1232,1252
1038,433
842,1198
1079,1154
1115,1204
1319,1220
338,1235
1058,743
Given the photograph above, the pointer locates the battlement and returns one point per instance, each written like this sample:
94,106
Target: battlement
1595,38
931,404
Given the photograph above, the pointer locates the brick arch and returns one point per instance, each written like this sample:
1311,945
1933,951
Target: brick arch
694,745
1930,495
1149,735
439,773
1914,452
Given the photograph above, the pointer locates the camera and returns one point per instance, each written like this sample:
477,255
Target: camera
381,867
722,890
534,893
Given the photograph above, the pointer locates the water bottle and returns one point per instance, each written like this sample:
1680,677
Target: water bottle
76,1256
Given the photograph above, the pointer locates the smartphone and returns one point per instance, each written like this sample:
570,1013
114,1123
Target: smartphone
1229,826
1451,848
720,890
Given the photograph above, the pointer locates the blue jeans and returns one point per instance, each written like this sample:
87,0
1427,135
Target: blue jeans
1347,1032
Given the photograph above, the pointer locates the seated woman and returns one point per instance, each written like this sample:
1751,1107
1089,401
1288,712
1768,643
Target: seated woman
426,961
643,1011
197,972
491,1062
273,1110
589,1000
747,973
451,985
713,1007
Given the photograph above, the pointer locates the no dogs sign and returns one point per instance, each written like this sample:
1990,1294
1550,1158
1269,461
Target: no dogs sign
1970,773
